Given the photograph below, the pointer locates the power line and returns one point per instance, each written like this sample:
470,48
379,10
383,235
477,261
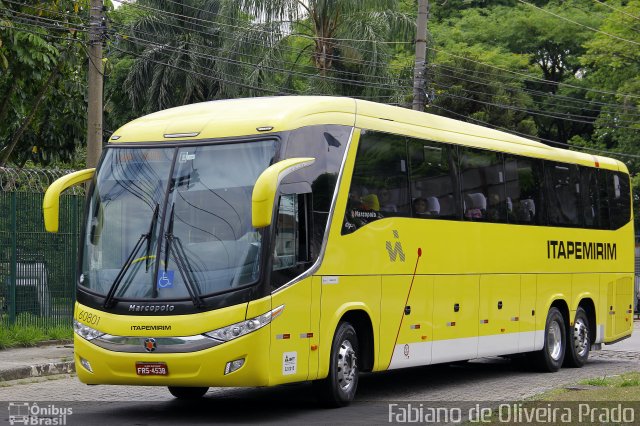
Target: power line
531,77
578,23
365,50
48,23
564,117
509,88
41,9
618,10
219,52
189,20
542,114
248,27
487,82
14,28
292,72
210,77
611,153
356,83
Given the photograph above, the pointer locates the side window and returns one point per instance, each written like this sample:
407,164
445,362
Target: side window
524,190
291,248
379,181
327,144
603,205
433,180
483,185
589,194
563,194
619,198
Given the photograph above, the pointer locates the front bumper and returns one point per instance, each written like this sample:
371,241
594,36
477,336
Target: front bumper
200,368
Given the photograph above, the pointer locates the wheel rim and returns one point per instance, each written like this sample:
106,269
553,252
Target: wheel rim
346,366
554,340
580,337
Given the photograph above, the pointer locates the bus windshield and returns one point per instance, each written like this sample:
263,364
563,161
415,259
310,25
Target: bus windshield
175,222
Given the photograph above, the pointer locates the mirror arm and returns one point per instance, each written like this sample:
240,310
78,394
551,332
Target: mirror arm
266,187
51,202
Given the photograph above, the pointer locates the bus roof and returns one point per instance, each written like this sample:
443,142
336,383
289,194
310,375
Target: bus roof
252,116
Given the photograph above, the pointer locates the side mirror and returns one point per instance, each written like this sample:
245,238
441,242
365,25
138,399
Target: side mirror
51,202
266,188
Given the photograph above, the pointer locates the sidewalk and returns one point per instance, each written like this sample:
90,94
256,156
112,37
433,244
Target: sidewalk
45,360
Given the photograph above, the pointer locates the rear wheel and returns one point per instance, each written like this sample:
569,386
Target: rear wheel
579,341
550,358
181,392
339,388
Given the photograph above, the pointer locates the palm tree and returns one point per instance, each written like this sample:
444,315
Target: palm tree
316,46
172,41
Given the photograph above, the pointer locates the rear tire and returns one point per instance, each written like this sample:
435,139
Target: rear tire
339,388
188,393
579,341
550,358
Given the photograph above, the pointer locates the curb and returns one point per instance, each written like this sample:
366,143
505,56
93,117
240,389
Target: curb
53,343
48,369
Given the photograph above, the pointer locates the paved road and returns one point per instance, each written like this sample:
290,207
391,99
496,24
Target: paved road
486,380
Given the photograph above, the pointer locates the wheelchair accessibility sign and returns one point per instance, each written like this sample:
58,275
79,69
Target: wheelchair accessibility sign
165,279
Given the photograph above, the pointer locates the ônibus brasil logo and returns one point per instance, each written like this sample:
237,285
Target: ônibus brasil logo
24,413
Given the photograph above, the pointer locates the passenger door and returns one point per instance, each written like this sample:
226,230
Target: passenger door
291,333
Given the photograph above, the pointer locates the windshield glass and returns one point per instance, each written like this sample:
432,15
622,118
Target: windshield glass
199,242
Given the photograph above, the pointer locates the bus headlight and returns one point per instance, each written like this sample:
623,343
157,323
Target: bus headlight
238,329
85,331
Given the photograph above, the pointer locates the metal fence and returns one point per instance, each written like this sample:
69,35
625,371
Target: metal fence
37,269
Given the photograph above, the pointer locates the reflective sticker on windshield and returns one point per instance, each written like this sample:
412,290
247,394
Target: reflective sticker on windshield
185,156
165,279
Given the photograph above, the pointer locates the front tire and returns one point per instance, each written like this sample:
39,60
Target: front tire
339,388
188,393
550,358
579,341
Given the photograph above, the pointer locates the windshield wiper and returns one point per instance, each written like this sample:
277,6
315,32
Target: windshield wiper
152,230
108,301
182,262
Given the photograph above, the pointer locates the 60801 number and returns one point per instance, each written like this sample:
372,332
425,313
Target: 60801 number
88,317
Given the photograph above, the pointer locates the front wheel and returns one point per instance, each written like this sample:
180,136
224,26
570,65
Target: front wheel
181,392
579,341
339,388
550,358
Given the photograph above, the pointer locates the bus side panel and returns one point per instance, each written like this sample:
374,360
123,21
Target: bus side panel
551,287
316,297
413,345
528,295
455,314
499,314
289,360
619,305
624,305
341,294
585,286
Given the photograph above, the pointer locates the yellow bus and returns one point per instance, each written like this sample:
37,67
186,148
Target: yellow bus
256,242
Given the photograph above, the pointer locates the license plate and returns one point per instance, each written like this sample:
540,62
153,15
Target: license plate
152,369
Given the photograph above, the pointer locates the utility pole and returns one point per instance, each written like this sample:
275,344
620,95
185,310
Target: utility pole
94,107
421,55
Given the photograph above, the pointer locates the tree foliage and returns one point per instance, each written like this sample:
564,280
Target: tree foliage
173,60
560,70
41,81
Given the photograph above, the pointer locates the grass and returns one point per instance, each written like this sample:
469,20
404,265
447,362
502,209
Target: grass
598,400
596,381
30,330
